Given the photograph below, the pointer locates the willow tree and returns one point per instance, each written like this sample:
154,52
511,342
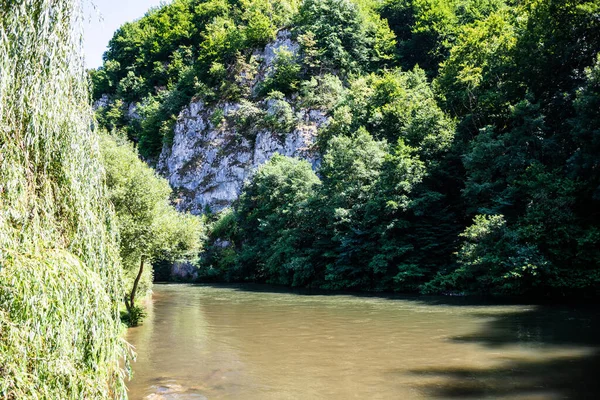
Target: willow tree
60,280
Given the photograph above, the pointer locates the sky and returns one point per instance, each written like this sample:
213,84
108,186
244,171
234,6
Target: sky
105,19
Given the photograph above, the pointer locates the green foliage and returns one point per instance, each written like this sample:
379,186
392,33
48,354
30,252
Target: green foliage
183,50
60,276
131,87
427,29
586,130
59,333
285,74
217,117
351,168
262,19
279,115
150,228
159,114
248,117
112,115
271,212
225,227
474,77
222,38
350,36
494,259
438,113
219,261
321,92
395,105
134,316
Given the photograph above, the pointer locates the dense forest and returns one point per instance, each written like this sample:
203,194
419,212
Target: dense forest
461,153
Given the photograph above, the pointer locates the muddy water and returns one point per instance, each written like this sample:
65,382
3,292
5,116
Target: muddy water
201,342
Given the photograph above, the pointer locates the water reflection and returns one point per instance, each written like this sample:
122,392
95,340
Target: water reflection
224,343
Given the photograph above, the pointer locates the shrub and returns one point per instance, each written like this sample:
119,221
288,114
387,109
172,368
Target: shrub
321,92
284,75
280,115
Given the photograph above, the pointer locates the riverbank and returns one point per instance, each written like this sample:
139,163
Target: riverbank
443,298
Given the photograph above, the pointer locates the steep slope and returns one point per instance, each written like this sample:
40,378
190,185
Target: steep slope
214,150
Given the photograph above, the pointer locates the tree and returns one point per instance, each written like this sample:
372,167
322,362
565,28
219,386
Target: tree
395,104
60,275
351,38
271,214
476,79
149,226
586,132
284,75
494,113
426,30
350,170
495,259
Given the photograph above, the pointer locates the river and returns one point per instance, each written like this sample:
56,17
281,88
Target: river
213,342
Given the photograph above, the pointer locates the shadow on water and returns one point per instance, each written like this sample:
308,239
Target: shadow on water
424,299
559,358
540,351
567,338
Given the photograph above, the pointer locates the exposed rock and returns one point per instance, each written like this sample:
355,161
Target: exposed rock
132,113
211,156
172,391
267,57
223,244
207,165
282,41
184,271
103,101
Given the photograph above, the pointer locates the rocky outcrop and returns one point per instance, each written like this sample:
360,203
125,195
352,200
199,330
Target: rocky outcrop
209,160
216,148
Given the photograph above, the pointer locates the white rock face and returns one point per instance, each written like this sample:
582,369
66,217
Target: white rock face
103,101
207,165
282,41
209,160
132,111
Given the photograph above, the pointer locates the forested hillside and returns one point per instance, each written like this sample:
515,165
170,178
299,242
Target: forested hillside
461,152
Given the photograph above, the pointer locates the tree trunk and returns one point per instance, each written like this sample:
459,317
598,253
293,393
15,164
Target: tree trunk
131,303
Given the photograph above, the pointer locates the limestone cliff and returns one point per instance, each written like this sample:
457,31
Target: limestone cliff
216,147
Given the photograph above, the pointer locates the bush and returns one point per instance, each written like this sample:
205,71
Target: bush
247,117
493,259
149,226
284,75
280,115
321,92
350,36
133,316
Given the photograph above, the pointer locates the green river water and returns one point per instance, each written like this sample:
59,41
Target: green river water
212,342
